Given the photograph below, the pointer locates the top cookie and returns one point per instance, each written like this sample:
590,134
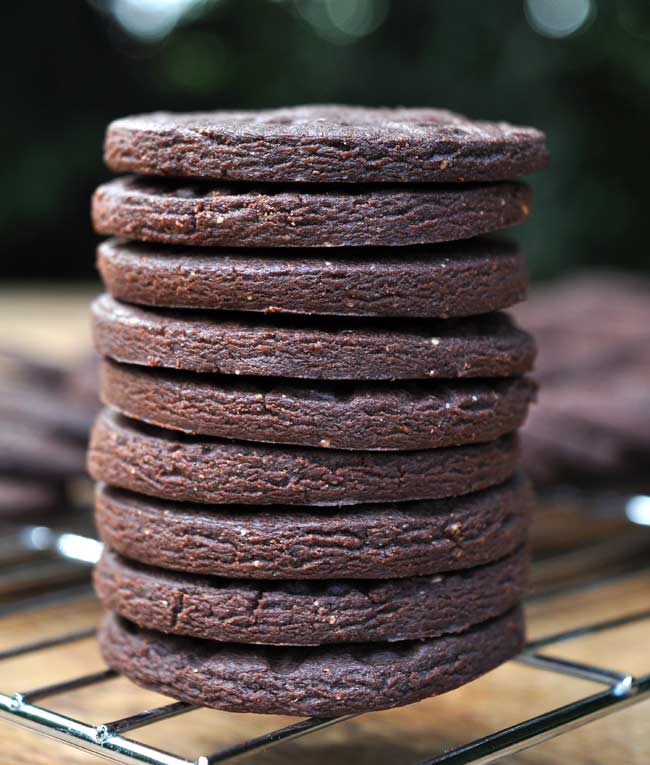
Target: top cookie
324,143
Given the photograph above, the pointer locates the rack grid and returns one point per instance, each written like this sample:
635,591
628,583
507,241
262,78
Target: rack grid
108,740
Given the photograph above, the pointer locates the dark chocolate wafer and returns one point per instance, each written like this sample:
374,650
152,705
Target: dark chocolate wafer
173,212
319,681
375,541
460,279
365,416
30,451
324,142
308,612
171,465
23,497
312,347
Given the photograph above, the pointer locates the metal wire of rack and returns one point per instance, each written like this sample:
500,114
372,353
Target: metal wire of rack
108,739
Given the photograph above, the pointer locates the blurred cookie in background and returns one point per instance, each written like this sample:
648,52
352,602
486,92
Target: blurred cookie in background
586,443
591,424
21,496
45,416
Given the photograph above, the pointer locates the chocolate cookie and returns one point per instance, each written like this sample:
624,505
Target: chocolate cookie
45,398
591,424
418,415
365,541
29,451
155,210
312,347
462,279
50,411
309,612
171,465
24,497
319,681
324,143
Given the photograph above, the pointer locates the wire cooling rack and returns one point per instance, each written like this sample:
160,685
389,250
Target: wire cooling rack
108,740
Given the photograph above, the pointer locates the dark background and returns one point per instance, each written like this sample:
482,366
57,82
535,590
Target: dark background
579,70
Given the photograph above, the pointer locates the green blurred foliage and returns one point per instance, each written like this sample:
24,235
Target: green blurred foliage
68,69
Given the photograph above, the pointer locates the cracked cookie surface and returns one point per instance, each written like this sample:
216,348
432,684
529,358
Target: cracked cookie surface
460,279
309,612
171,465
311,347
209,215
326,143
364,416
319,681
371,541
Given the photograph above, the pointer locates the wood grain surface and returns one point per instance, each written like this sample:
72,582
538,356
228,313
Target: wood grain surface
49,322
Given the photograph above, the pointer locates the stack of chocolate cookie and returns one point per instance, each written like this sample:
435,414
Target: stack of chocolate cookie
308,468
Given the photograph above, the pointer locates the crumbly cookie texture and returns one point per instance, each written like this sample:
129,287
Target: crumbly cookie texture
339,415
460,279
171,465
210,215
371,541
306,347
309,612
322,681
324,143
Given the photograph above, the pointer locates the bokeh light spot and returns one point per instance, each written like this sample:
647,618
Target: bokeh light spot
343,21
637,510
634,18
152,20
355,17
558,18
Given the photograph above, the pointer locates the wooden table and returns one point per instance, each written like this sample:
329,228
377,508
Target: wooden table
507,695
50,322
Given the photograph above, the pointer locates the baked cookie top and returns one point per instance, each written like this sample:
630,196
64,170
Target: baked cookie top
324,143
